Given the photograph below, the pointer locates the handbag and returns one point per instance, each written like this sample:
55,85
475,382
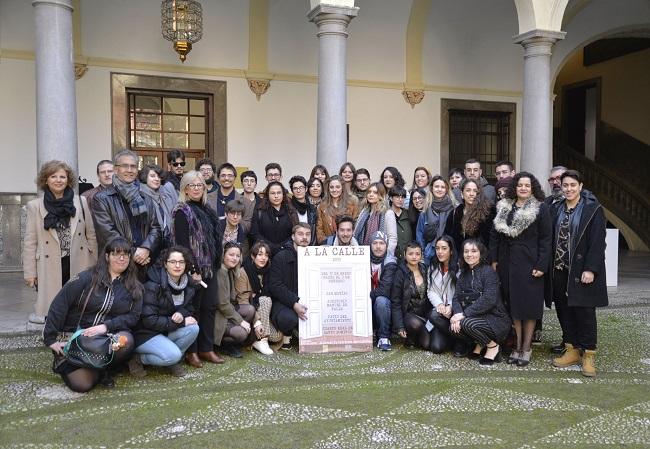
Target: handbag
91,352
468,297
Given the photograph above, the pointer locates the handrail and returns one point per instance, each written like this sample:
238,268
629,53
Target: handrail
612,190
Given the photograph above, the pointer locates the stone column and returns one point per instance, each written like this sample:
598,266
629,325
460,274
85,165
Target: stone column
56,109
332,22
537,123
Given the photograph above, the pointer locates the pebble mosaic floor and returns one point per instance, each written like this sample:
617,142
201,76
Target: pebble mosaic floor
399,399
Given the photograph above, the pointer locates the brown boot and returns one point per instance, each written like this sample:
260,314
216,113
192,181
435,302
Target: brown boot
192,359
570,357
211,356
589,363
135,366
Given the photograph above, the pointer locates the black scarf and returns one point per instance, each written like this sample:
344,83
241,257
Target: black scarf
208,219
376,259
59,211
442,205
300,207
253,273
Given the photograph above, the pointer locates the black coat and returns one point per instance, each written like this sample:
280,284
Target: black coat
519,251
158,306
489,306
122,314
454,229
273,227
112,219
386,279
283,277
403,290
586,252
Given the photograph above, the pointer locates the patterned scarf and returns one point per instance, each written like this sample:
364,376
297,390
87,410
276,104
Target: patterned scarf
131,194
178,289
204,244
59,211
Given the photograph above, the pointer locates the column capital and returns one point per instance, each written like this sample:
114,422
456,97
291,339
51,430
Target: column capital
538,42
349,11
67,4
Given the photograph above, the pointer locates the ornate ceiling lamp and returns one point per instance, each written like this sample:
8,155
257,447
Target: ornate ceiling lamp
182,23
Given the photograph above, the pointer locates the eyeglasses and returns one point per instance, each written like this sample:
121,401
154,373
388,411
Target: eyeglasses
227,176
206,170
363,181
127,166
554,178
178,263
298,188
418,198
119,255
178,164
273,175
195,186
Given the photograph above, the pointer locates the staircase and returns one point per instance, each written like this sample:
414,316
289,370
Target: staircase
615,192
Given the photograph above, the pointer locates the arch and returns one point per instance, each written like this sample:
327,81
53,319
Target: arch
634,242
415,42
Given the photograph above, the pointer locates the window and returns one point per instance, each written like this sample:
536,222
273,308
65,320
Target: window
480,135
161,122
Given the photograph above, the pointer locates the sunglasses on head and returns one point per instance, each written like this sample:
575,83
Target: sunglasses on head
178,164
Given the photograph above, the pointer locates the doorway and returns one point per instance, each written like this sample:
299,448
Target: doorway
581,116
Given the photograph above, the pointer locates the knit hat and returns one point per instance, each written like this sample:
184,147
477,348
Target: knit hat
503,182
379,236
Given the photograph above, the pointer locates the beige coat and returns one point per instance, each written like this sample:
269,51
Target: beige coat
42,251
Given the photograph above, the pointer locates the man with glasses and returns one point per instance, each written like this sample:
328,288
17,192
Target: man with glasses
273,172
226,192
175,168
105,178
122,210
208,169
249,184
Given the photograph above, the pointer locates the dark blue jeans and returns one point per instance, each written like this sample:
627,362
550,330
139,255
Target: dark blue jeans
382,315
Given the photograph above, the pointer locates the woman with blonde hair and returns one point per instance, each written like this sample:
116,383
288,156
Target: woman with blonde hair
195,227
431,223
337,202
376,216
59,238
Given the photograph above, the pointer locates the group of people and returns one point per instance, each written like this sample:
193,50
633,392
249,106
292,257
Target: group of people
183,267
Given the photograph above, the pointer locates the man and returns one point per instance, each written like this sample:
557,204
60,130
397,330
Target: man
273,172
504,169
105,178
207,168
122,210
344,233
226,192
473,171
283,284
175,168
382,272
249,183
397,197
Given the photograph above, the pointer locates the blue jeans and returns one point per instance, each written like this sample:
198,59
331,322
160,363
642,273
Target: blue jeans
382,312
167,350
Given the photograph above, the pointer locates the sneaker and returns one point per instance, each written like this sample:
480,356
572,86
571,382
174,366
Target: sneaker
384,344
36,319
177,370
286,343
263,346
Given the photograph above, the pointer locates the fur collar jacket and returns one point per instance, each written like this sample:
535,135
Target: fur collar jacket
522,218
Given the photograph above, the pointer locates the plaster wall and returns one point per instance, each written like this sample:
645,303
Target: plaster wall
625,90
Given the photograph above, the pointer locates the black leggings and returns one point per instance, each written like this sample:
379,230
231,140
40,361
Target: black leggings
440,335
82,380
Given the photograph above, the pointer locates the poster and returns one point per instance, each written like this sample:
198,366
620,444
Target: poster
334,284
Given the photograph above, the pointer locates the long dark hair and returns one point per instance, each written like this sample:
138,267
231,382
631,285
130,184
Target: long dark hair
453,254
265,204
476,213
481,249
537,191
399,179
101,275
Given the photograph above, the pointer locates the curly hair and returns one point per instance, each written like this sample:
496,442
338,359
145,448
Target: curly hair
265,204
536,187
51,167
399,179
319,168
482,249
187,256
476,213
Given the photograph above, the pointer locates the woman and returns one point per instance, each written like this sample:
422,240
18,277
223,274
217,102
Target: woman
231,229
337,202
233,322
360,183
391,177
472,218
315,191
478,314
251,287
195,227
306,211
404,233
104,299
320,172
273,217
375,216
167,327
455,177
442,285
421,178
520,246
164,197
578,281
431,224
417,205
410,305
346,172
59,237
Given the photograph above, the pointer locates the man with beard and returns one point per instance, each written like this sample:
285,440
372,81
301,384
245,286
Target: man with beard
175,168
283,284
556,185
344,233
226,192
207,168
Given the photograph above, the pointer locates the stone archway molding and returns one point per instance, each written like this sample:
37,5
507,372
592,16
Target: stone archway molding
634,242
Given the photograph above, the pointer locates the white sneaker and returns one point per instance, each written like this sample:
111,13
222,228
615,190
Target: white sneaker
36,319
263,346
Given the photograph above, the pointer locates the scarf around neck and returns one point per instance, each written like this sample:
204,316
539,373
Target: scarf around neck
300,207
204,244
178,289
442,205
254,273
59,211
131,194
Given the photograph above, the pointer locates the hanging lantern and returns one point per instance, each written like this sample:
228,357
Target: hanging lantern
182,23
